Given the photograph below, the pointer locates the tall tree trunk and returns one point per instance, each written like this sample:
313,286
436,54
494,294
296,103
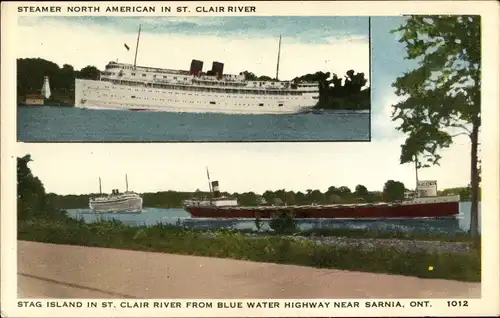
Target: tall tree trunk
474,175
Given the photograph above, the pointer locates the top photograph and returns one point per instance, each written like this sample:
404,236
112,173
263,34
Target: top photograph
193,79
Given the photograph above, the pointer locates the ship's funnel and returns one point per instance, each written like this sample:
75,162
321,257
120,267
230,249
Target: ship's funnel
215,189
46,87
218,69
196,67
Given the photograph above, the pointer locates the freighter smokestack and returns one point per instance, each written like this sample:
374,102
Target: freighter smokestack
215,189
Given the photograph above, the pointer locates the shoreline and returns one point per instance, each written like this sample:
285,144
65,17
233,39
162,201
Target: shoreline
322,110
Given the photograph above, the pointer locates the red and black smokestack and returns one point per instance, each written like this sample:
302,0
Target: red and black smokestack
218,69
215,189
196,67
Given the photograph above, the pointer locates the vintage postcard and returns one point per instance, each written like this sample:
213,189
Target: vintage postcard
171,78
110,209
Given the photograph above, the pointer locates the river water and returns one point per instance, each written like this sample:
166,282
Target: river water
152,216
39,124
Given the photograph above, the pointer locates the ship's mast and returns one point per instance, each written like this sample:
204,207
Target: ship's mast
137,45
278,62
100,188
209,183
126,182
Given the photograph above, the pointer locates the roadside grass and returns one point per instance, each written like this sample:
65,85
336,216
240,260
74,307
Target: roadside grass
362,233
273,248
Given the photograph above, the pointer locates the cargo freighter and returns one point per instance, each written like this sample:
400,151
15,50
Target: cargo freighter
422,203
124,86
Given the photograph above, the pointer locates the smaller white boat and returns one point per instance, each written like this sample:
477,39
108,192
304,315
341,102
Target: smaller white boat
116,202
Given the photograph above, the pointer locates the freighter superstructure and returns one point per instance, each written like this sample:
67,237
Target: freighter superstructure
128,86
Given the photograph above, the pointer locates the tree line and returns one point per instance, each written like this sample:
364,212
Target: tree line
392,191
30,74
334,93
33,201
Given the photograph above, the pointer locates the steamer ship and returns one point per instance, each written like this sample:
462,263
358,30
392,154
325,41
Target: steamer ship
116,202
421,203
141,88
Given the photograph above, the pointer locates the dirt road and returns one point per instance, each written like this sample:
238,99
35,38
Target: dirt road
62,271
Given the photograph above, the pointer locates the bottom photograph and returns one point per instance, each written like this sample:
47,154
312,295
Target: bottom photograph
119,224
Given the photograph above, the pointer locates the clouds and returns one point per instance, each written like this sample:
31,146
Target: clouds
303,30
100,39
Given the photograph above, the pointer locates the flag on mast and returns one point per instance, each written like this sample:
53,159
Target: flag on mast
126,46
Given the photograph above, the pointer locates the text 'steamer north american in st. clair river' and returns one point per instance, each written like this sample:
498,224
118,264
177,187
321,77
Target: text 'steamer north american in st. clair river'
127,86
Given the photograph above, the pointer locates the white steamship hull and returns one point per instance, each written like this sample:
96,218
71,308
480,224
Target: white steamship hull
107,95
130,205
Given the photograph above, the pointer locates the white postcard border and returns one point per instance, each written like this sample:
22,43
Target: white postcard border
488,10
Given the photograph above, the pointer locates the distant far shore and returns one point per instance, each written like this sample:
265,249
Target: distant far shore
333,195
350,94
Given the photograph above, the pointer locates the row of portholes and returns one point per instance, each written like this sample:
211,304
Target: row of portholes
227,96
184,101
196,94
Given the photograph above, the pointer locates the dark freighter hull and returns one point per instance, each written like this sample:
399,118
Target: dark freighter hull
448,208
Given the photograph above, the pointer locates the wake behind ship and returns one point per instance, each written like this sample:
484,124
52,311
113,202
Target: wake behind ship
423,203
132,87
116,202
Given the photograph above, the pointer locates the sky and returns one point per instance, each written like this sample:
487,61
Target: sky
326,43
309,44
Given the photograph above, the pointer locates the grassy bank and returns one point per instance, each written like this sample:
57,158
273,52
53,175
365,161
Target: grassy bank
235,245
362,233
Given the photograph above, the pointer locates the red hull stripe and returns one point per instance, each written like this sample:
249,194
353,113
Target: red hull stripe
402,211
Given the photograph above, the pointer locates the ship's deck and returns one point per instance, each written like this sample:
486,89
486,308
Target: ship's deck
435,200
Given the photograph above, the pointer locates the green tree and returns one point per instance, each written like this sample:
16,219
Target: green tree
249,76
442,93
32,200
316,196
354,82
361,191
284,223
89,72
268,196
332,190
344,190
300,198
30,190
247,198
258,222
290,198
393,191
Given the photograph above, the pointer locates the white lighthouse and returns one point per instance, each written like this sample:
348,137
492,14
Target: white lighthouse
46,87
